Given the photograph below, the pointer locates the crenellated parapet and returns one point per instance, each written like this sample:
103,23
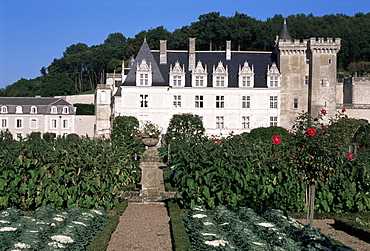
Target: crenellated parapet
321,45
290,47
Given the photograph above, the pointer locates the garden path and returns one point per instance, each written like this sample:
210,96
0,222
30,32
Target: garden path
143,226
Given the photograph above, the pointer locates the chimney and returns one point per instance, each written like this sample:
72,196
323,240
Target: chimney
228,50
163,52
191,54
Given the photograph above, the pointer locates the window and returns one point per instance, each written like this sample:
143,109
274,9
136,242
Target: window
274,80
4,109
295,103
220,81
198,101
220,101
177,101
33,109
246,81
54,109
144,79
176,80
219,121
306,80
65,110
33,123
53,124
245,122
103,96
19,109
273,102
143,100
273,121
4,123
18,123
65,124
246,101
199,80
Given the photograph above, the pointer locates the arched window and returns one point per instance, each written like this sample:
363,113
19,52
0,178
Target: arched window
19,109
4,109
33,109
54,109
65,110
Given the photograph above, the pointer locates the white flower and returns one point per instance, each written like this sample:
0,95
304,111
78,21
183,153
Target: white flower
52,224
61,238
199,209
56,245
199,215
87,214
21,245
216,243
79,223
265,224
258,243
97,212
207,223
5,213
4,222
225,223
58,219
7,229
208,234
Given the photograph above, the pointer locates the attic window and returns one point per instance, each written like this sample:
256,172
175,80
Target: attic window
220,76
4,109
246,75
19,109
177,75
144,74
33,109
54,110
65,110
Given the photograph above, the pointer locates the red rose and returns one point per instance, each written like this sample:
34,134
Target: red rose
276,139
311,131
343,109
232,132
346,116
294,154
217,141
275,155
323,111
314,119
350,156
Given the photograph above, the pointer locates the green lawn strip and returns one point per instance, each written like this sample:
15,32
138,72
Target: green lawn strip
101,240
180,239
357,224
166,178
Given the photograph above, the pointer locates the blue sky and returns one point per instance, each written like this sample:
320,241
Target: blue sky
34,32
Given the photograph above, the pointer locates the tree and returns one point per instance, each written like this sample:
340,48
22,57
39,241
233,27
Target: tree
115,40
184,127
56,84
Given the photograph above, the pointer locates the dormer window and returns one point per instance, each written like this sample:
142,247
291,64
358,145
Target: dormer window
54,110
177,75
246,75
273,76
220,76
33,110
199,76
19,109
4,109
144,74
65,110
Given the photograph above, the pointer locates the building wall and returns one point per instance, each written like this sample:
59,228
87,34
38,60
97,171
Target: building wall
161,106
79,99
85,125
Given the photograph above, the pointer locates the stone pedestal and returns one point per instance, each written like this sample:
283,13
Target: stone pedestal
149,176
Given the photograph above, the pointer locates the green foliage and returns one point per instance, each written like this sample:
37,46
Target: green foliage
71,229
242,171
124,135
63,173
184,127
85,109
266,133
49,136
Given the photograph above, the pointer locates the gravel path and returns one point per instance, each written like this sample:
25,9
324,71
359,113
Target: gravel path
143,227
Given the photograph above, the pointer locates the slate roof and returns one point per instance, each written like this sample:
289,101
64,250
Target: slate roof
284,33
210,59
43,104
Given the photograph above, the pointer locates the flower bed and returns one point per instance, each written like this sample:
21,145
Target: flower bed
245,229
49,229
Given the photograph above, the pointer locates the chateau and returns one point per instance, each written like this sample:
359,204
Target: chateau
231,90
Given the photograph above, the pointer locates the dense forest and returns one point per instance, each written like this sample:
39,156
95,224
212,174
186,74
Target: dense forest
82,67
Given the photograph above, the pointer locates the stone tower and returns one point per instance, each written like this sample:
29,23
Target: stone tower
103,96
294,69
323,75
